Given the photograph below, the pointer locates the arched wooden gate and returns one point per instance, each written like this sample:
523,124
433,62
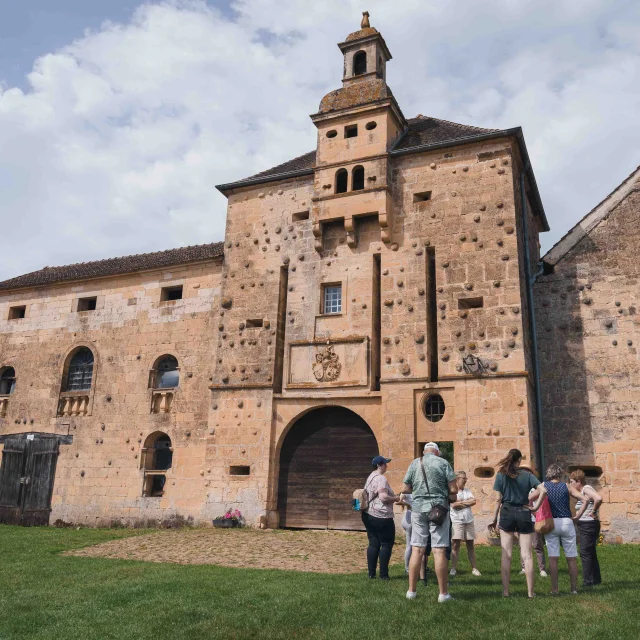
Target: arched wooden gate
325,456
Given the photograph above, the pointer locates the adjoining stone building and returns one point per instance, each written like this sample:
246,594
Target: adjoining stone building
370,296
588,335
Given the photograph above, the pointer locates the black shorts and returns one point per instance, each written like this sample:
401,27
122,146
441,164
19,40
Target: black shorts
515,519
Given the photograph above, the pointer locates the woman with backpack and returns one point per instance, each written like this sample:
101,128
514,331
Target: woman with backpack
564,532
513,485
378,518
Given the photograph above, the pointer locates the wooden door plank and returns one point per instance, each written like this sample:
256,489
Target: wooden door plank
303,495
352,447
11,472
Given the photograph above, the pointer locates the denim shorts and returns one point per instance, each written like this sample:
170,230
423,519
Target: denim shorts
515,519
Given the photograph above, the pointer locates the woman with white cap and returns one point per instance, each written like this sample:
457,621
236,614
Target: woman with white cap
378,518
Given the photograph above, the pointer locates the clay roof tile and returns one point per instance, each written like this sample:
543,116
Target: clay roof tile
115,266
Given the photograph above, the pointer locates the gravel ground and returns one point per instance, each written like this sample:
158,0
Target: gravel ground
309,551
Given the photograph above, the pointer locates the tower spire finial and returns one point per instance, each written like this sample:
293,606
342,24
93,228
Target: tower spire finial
365,20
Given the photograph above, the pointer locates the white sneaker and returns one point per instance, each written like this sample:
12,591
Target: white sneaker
523,572
476,572
443,597
411,595
544,574
452,572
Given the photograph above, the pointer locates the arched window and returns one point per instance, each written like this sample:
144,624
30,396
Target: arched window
357,178
342,178
80,371
157,456
359,63
7,381
166,375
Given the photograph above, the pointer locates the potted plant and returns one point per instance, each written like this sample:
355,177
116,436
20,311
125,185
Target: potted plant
232,518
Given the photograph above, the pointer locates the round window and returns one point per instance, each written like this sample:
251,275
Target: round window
371,125
332,134
433,407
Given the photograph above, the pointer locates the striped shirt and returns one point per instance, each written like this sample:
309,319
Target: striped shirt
587,515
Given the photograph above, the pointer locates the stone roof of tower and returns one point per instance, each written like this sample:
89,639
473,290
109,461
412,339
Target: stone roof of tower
116,266
599,213
355,95
421,131
362,33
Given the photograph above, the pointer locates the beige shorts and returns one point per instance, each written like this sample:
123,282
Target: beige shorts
463,531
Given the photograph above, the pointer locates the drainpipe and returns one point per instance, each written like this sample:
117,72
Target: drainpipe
530,280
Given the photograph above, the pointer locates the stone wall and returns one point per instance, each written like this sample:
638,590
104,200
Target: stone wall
587,313
98,477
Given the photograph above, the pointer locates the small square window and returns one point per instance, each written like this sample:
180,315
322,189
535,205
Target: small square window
332,299
470,303
351,131
17,313
239,470
254,323
423,196
87,304
171,293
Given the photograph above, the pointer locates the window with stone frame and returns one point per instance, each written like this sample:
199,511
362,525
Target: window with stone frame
7,381
80,371
165,373
342,180
332,298
156,460
360,63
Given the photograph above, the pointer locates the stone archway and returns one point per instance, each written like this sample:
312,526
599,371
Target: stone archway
325,456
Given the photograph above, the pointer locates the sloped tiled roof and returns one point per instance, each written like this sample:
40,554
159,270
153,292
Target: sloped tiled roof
422,131
116,266
425,131
305,162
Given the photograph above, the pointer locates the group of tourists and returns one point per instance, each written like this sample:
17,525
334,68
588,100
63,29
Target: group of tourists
438,517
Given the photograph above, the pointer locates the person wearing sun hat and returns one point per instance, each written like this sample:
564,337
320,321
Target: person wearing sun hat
378,518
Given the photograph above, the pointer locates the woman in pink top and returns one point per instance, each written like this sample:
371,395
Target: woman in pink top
378,518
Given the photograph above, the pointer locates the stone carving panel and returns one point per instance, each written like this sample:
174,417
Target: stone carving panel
335,363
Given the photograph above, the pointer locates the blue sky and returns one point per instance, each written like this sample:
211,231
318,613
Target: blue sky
119,117
32,28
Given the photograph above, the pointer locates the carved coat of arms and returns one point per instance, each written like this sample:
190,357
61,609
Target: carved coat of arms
327,367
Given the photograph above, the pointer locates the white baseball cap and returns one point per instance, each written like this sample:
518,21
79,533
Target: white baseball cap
432,445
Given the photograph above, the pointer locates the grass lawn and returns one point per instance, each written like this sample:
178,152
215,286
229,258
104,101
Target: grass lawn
46,595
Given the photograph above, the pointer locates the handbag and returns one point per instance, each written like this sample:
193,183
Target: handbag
544,518
438,512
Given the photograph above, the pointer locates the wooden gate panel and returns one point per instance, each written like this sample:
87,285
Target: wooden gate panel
352,447
326,455
40,470
11,479
304,478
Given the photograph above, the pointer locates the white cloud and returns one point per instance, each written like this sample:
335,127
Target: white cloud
118,144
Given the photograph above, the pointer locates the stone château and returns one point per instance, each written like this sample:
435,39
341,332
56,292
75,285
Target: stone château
369,296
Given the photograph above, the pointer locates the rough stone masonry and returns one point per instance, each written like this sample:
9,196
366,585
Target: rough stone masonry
369,296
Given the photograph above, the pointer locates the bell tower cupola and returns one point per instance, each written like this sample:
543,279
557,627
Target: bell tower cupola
365,54
357,126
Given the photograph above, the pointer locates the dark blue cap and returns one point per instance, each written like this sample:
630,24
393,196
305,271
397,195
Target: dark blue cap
380,460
